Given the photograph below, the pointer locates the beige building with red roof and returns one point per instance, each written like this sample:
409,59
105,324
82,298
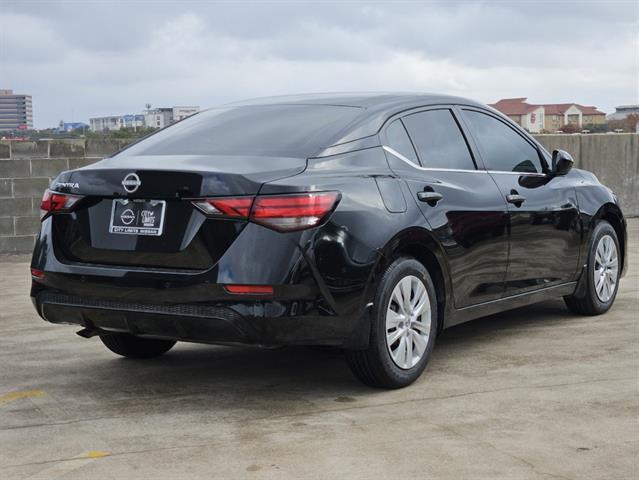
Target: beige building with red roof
550,117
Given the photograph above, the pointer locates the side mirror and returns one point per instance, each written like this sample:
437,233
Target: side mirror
562,162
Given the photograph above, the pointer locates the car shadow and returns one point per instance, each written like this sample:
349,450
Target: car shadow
274,381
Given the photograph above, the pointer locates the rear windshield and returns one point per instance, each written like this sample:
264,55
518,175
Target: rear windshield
270,130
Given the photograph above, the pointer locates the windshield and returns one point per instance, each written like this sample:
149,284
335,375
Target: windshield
269,130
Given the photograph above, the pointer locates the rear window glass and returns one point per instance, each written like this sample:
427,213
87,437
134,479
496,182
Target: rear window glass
270,130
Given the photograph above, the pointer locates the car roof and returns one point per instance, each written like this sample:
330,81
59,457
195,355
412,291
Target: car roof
376,107
367,100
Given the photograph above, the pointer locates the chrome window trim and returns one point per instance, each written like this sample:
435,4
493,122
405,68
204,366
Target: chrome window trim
395,153
531,174
427,169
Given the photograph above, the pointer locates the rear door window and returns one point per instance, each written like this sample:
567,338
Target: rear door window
502,148
439,140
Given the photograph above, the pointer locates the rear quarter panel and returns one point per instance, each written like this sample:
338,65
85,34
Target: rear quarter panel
346,250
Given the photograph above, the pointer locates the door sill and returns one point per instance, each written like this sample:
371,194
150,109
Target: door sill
483,309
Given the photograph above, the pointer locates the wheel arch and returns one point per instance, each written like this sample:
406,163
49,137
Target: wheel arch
613,215
421,245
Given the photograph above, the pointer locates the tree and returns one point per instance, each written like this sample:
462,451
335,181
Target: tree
123,133
630,122
597,127
571,128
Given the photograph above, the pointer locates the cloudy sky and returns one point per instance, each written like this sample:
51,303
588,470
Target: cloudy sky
91,58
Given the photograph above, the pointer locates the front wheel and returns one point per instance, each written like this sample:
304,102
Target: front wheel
131,346
403,328
602,273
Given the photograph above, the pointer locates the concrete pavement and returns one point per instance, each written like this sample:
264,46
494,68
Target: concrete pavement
536,393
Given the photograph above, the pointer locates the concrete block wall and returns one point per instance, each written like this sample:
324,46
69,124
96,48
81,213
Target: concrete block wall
26,169
614,158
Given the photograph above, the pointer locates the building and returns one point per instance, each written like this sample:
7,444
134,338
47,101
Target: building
530,117
180,113
158,117
560,114
164,116
622,111
16,111
68,127
549,117
116,122
104,124
151,118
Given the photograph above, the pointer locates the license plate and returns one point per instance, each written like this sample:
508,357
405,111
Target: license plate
137,217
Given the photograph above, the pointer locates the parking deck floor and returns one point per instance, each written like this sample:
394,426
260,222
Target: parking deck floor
536,393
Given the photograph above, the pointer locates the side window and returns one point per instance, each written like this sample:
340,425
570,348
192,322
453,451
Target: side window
398,140
438,140
502,148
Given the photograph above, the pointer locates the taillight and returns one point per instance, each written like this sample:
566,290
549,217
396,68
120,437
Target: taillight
37,274
234,207
293,212
249,289
284,213
53,202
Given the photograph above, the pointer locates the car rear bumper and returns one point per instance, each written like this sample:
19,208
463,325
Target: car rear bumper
311,303
259,323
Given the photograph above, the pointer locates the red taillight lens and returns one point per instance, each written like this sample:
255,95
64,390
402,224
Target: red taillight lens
279,212
53,202
234,207
37,274
249,289
293,212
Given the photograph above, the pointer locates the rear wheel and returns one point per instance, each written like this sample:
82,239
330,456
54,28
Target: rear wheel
403,328
131,346
602,274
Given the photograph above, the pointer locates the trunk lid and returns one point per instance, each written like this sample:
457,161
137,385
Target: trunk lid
189,240
173,176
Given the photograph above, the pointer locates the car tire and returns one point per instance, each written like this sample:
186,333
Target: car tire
598,298
131,346
380,365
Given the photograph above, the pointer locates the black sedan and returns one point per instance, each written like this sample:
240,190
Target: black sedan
369,222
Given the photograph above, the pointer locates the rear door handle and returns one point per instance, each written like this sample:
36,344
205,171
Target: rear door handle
515,199
429,197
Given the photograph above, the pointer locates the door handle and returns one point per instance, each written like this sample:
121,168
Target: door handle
515,198
429,197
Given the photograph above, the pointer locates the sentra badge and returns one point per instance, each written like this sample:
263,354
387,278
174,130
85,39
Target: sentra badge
60,185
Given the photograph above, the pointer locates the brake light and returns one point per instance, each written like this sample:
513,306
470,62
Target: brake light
53,202
234,207
249,289
279,212
37,274
293,212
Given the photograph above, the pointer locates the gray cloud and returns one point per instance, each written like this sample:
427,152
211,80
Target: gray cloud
85,59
